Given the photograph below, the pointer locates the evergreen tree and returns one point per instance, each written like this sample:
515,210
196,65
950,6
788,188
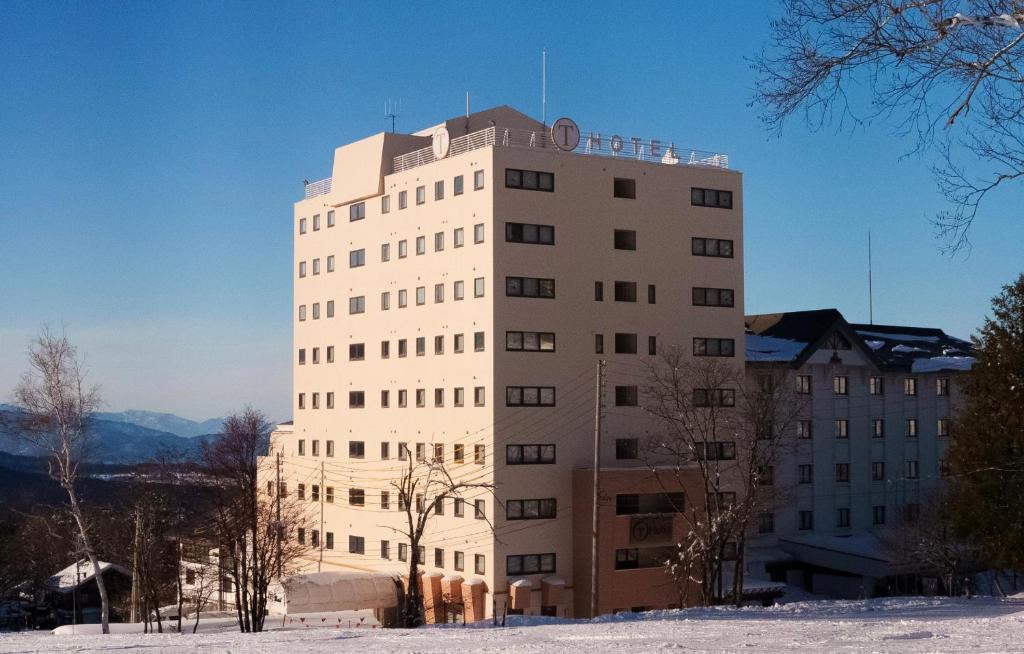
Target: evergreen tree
987,452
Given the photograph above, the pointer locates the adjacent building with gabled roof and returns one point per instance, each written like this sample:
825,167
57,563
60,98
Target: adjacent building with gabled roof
869,452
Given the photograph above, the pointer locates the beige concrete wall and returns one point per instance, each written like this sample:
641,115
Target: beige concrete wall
585,214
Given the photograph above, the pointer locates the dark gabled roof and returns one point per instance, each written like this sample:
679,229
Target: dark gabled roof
794,336
921,349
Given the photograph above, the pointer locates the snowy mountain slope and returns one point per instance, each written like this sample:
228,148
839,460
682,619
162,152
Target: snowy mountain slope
165,422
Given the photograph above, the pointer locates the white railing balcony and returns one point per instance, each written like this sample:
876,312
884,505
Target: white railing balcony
323,187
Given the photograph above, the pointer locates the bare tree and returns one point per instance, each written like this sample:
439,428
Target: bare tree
252,527
693,401
927,65
56,406
925,543
421,487
768,408
727,433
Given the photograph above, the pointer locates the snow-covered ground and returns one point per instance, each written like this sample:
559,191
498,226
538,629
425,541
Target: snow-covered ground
883,625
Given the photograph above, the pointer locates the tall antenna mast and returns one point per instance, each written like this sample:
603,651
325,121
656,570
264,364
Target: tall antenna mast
871,295
392,110
544,86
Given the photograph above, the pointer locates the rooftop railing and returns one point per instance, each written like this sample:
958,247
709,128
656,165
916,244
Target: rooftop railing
323,187
591,144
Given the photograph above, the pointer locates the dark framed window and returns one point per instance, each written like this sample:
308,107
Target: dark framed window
529,564
624,188
714,347
530,287
539,509
626,396
530,341
806,520
708,397
716,451
356,351
625,343
530,396
625,239
357,545
711,247
599,343
357,211
529,233
627,448
707,197
356,399
644,503
599,291
625,291
529,180
356,449
538,454
713,297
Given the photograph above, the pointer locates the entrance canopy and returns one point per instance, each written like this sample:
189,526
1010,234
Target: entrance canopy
319,592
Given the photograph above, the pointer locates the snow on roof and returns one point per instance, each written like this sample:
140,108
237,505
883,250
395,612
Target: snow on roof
772,348
864,545
475,581
64,581
874,345
521,583
553,581
899,337
907,349
935,364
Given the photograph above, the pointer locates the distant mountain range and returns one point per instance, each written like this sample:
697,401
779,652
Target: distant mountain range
165,422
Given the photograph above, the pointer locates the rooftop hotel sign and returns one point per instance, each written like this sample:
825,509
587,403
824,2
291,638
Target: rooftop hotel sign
565,134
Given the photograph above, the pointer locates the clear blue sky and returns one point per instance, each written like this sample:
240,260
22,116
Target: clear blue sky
150,154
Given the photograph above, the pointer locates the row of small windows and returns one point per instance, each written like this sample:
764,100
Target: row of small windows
625,343
515,286
458,240
357,545
876,385
911,470
842,428
357,211
357,399
766,521
357,450
357,304
357,351
707,197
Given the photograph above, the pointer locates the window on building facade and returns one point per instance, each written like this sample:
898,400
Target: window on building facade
627,448
877,471
713,297
803,384
708,397
530,564
843,517
842,428
530,341
530,396
599,343
421,295
421,245
840,384
711,247
357,304
478,396
910,386
878,515
403,249
803,429
457,185
385,204
805,473
624,188
626,396
302,225
357,211
942,386
478,287
529,233
316,222
421,194
878,428
806,520
540,509
625,343
911,470
714,347
530,454
529,180
439,189
842,472
706,197
716,451
625,291
478,180
533,287
625,239
403,199
876,385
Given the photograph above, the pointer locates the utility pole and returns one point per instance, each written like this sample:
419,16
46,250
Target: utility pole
323,491
135,570
278,537
598,406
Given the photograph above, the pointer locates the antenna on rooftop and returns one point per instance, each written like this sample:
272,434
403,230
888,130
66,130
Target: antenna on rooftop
871,296
391,110
544,86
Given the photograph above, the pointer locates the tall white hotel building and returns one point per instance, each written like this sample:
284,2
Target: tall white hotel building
454,291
